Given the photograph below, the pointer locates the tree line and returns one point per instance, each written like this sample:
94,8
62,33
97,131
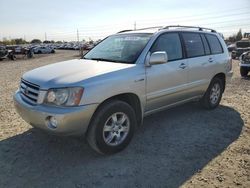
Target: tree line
233,38
19,41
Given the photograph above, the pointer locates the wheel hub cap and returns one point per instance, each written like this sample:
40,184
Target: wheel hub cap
116,129
215,93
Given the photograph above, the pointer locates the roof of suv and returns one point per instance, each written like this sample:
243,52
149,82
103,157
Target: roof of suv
152,30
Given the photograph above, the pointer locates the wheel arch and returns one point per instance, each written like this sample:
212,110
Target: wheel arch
130,98
222,77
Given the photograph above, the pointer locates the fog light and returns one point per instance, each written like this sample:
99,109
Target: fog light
52,122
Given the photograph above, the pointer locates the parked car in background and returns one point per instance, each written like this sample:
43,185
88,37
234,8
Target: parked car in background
88,46
5,53
126,77
21,50
231,47
241,47
245,63
43,50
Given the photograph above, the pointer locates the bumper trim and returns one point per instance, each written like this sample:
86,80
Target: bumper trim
71,120
244,65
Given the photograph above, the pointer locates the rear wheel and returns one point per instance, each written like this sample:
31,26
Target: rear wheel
213,95
12,57
243,71
112,127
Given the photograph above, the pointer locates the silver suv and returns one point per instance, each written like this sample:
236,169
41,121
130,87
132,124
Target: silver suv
126,77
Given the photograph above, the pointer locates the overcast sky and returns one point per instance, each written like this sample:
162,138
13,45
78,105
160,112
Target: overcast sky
97,19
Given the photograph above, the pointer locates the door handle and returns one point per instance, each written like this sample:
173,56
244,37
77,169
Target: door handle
183,66
210,60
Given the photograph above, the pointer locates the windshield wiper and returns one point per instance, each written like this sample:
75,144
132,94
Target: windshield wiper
108,60
100,59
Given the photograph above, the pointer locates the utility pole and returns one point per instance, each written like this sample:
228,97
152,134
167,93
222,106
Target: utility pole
45,36
135,25
77,35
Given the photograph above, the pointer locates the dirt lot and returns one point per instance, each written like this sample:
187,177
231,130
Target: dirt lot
186,146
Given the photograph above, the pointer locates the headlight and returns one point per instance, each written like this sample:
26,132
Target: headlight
64,96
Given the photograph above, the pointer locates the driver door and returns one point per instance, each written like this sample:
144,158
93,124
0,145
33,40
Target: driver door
166,83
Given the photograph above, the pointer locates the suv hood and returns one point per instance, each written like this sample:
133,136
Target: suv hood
70,72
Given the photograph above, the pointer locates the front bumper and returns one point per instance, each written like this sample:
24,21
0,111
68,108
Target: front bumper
70,120
244,65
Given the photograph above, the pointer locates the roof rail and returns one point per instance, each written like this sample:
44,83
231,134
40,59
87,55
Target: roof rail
125,31
192,27
155,27
145,28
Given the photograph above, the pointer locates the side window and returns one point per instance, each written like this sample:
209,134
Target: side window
214,44
170,43
193,44
204,40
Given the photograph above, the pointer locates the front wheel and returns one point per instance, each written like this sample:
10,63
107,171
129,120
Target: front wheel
243,71
213,95
112,127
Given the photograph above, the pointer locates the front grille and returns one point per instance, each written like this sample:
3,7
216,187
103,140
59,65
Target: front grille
29,91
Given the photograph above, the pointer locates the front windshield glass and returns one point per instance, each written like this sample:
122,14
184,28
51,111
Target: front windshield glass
123,48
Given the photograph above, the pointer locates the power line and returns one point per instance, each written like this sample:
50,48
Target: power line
213,24
102,31
157,22
179,17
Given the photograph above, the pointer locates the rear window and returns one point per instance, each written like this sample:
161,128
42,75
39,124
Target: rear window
214,44
243,44
193,44
207,50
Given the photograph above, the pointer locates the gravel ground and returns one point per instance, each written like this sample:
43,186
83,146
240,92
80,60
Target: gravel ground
186,146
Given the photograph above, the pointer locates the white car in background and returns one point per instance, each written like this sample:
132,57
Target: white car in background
43,50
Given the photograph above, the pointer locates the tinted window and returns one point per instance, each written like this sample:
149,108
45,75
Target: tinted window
193,44
214,44
169,43
207,50
243,44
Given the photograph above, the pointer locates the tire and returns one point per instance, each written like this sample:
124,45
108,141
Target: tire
98,138
243,71
39,52
212,97
12,57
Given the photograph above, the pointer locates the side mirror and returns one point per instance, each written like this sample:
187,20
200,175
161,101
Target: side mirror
159,57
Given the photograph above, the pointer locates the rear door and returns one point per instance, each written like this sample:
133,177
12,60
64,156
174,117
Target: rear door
218,59
200,63
166,83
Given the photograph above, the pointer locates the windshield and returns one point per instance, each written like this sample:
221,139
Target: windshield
124,48
243,44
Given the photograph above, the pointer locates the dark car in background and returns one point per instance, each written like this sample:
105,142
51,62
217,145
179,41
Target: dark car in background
5,53
231,47
245,64
241,47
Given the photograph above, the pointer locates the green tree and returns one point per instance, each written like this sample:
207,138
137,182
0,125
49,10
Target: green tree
239,35
46,41
232,38
19,41
37,41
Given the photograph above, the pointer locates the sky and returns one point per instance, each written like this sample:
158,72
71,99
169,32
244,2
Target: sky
60,20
